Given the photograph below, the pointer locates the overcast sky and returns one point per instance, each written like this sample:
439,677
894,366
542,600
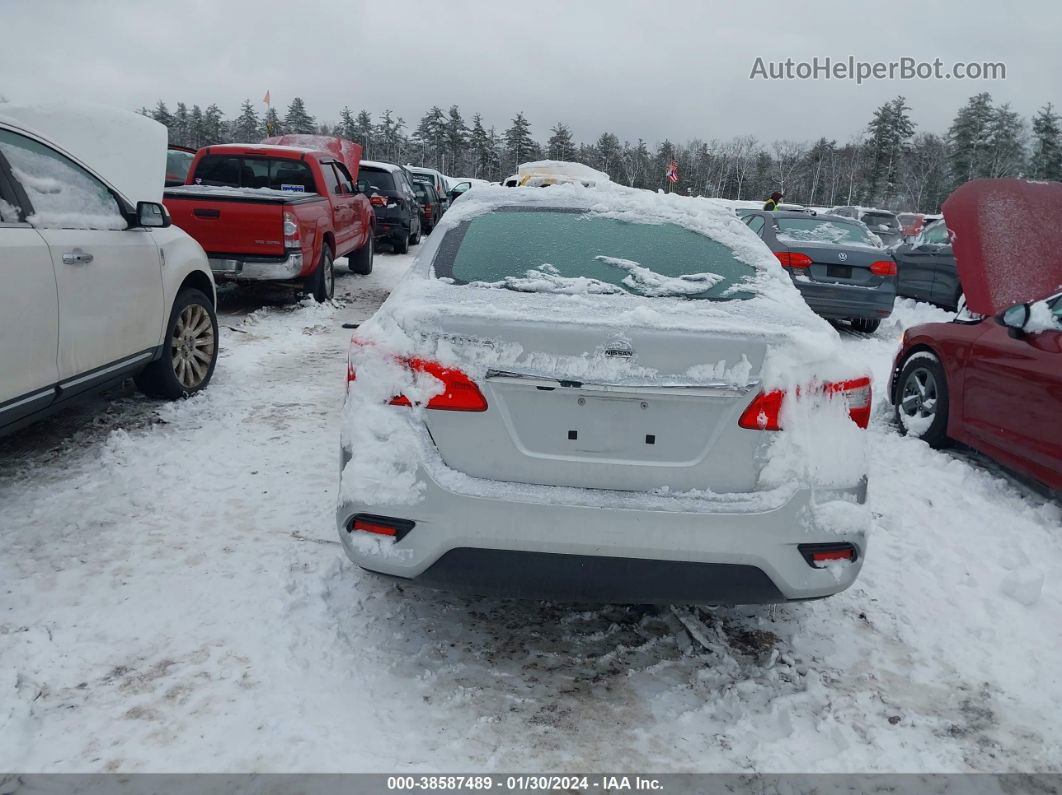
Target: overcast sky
654,70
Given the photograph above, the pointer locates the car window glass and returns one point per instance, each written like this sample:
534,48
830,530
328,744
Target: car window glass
344,176
936,234
376,178
234,171
821,230
62,194
572,252
755,223
177,164
330,178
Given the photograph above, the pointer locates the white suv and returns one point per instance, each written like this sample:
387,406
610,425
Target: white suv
97,285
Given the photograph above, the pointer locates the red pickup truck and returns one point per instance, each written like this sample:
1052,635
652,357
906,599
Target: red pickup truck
279,211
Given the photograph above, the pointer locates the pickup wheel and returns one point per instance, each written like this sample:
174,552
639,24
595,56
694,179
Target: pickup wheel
321,284
190,350
400,245
360,261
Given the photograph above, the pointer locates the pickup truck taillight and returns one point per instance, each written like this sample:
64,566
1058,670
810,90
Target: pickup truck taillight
292,238
378,201
764,413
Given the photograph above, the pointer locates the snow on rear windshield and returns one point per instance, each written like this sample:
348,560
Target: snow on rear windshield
575,252
63,195
817,230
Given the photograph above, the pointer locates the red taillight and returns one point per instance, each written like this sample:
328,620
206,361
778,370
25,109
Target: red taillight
793,259
378,201
883,267
764,412
460,392
427,210
372,527
820,555
381,525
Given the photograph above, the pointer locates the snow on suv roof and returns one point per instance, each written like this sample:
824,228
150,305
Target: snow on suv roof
392,167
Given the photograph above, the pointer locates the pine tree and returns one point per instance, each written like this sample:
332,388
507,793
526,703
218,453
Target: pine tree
479,148
195,127
162,114
179,130
560,145
430,135
518,142
1046,160
346,127
890,132
298,120
456,139
389,134
212,126
607,150
247,128
364,132
272,124
1006,143
968,139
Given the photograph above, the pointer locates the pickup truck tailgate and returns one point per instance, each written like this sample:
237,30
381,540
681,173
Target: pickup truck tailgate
238,225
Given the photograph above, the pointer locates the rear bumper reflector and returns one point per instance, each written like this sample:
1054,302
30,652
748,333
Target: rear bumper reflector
381,525
819,555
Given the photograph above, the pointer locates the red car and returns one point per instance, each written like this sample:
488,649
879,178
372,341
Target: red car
992,378
280,211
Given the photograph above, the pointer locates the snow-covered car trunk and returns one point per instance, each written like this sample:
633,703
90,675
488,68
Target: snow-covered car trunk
585,406
608,375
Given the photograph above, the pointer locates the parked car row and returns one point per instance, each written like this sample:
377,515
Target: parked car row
702,451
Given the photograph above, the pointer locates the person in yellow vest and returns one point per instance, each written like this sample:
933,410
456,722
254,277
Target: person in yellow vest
772,202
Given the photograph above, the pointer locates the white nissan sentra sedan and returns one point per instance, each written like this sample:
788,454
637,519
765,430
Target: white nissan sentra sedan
606,395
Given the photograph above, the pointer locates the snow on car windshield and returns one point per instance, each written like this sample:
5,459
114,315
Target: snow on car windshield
63,195
817,230
575,252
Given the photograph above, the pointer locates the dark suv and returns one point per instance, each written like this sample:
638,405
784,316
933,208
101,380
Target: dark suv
390,191
431,208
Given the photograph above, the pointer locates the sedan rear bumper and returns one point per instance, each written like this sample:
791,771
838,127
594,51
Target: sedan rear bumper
847,301
596,578
563,543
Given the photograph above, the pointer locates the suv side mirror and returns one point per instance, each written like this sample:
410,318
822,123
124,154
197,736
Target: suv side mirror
1015,318
152,215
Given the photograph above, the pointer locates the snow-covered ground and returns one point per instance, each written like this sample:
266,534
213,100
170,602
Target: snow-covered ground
174,599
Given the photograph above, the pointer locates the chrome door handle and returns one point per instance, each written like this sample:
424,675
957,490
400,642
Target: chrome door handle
77,257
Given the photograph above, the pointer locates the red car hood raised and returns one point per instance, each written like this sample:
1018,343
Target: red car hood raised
1007,241
347,151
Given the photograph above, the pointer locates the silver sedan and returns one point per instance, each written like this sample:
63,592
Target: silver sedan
603,395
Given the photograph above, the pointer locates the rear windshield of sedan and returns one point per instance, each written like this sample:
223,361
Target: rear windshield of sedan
880,221
237,171
558,251
376,178
818,230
